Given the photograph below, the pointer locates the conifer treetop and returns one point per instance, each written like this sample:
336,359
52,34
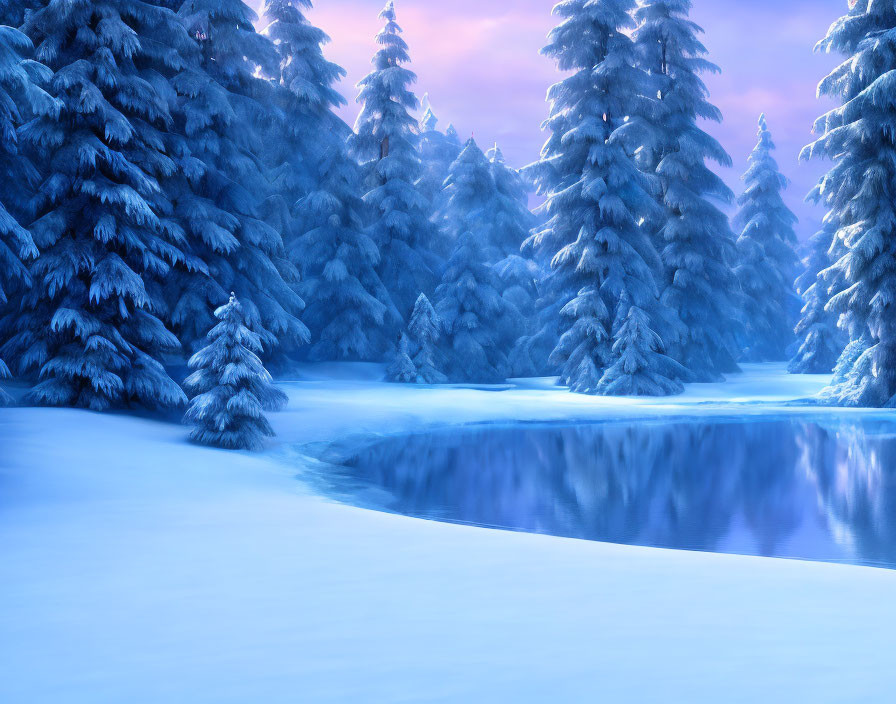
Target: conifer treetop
429,122
385,94
304,71
387,145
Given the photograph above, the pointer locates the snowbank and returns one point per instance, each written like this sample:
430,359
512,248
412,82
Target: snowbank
138,568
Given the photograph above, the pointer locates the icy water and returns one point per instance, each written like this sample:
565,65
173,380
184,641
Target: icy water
811,489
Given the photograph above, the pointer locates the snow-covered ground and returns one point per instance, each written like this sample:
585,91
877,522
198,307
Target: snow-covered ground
136,568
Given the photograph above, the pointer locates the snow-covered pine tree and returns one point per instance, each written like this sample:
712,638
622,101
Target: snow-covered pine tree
437,153
402,369
820,341
443,244
221,183
306,94
230,387
532,354
766,257
418,359
425,331
347,302
860,191
640,367
521,279
513,223
596,195
471,187
387,145
694,236
479,324
306,126
472,201
21,98
91,325
472,311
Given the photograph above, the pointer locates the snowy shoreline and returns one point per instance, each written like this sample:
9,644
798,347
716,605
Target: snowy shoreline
139,567
340,400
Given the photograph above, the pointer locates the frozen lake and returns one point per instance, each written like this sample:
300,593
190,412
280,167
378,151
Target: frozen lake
798,487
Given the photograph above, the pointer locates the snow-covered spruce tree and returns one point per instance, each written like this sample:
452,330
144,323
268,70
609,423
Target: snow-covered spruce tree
437,153
304,98
519,274
221,184
820,341
473,314
91,326
230,387
860,191
513,221
596,195
766,257
471,188
402,369
443,244
521,280
387,145
21,98
480,326
306,128
532,354
418,359
693,235
640,368
347,302
425,331
472,202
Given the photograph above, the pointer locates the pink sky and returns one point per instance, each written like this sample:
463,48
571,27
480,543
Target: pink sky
479,61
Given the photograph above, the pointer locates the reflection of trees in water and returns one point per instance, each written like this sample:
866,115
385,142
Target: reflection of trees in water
677,485
682,485
770,483
658,485
854,468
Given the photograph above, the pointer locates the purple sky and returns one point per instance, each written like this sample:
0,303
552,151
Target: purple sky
479,61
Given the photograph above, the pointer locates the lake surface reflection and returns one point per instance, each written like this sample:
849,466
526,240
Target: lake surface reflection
813,489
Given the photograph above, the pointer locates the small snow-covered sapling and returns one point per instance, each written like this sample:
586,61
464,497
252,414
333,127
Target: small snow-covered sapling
231,388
